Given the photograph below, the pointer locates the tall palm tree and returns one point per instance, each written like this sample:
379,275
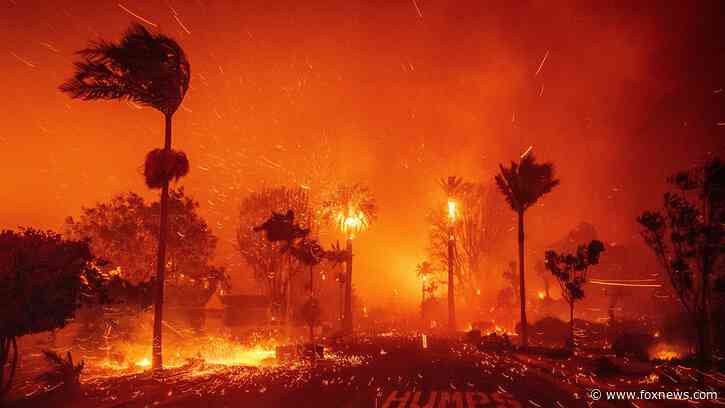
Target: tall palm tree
453,187
152,70
522,184
352,208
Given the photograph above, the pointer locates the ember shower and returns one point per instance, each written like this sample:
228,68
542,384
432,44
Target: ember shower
291,103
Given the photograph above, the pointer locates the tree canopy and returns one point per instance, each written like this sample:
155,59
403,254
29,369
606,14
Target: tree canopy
124,231
43,280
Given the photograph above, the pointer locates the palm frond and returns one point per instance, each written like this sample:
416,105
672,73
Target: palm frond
150,69
452,186
524,183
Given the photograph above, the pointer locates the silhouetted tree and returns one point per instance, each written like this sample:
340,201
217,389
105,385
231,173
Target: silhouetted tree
522,185
43,280
306,251
152,70
570,271
271,267
688,238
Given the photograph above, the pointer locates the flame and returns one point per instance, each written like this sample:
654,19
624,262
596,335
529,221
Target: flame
452,210
665,351
542,295
209,349
351,222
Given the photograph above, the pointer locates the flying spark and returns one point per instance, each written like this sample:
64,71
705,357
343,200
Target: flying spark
526,152
49,46
178,20
24,61
137,16
541,65
417,9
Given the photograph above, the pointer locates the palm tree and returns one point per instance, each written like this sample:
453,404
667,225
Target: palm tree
425,271
152,70
352,208
522,184
453,187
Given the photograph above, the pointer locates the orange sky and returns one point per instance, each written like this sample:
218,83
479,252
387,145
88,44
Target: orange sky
395,94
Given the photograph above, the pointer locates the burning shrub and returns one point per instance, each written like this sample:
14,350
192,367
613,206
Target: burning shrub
163,165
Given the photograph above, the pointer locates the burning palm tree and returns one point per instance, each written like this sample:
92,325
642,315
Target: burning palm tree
453,187
352,209
152,70
523,184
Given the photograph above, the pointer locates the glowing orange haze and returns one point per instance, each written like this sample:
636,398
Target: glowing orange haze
350,91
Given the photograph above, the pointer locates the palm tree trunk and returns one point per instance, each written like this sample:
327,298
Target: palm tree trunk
422,300
157,362
347,318
571,321
451,285
522,284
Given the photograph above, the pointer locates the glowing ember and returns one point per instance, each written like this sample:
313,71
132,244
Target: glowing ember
542,295
209,349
